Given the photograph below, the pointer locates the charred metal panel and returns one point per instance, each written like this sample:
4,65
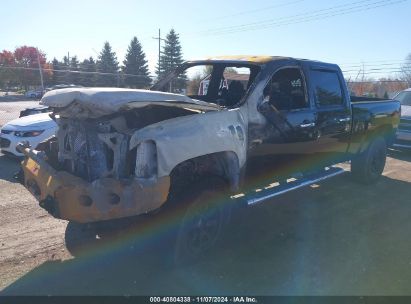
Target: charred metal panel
188,137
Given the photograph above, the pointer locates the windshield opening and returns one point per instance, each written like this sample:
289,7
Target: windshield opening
222,84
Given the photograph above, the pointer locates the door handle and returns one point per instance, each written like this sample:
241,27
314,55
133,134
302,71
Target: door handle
307,125
347,119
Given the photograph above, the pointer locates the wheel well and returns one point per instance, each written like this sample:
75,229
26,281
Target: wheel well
221,164
388,132
385,131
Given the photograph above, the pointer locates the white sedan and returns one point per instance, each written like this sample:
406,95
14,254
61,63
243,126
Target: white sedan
33,128
404,129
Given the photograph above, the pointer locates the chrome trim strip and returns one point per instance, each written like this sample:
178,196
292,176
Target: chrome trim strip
258,200
402,146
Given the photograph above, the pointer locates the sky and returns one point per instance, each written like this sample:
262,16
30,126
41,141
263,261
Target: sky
374,34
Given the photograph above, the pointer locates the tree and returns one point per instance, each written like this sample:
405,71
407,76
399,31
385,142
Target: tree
406,70
170,59
74,67
56,75
65,66
8,75
107,63
193,84
88,66
27,59
135,63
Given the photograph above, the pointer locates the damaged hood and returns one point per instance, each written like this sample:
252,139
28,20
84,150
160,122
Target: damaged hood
102,101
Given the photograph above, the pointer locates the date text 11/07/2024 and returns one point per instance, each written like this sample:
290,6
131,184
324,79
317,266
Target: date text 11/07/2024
203,300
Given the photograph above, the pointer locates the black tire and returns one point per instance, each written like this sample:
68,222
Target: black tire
202,225
368,166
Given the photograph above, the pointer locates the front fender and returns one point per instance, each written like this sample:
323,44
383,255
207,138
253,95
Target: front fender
183,138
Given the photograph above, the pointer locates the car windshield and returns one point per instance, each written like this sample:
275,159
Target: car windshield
404,97
222,84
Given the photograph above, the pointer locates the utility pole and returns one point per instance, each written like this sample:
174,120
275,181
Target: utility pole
41,71
159,47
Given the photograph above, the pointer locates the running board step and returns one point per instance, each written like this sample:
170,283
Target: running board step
292,184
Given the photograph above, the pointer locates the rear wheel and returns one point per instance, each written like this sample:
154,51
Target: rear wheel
368,166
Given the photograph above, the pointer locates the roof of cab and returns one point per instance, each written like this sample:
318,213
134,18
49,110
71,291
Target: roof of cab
243,58
250,59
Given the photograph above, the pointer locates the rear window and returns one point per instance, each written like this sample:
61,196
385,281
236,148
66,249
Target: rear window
327,88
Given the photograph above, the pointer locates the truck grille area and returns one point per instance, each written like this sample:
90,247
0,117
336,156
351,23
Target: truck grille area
88,150
4,143
91,162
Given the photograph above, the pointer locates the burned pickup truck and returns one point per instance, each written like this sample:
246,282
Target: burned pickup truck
212,126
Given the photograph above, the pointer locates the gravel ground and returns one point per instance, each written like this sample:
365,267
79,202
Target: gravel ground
11,109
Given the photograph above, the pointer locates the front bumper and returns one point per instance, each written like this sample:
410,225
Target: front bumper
8,145
69,197
9,142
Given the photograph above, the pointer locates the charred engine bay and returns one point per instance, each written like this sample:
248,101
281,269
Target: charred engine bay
97,148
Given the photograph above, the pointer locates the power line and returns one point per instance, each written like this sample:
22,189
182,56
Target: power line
373,61
380,69
74,72
254,10
287,17
315,17
353,7
373,65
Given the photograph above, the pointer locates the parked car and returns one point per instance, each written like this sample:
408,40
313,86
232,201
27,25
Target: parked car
122,152
34,129
34,110
34,93
63,86
403,138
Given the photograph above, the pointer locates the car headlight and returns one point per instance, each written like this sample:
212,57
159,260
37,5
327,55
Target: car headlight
146,160
28,133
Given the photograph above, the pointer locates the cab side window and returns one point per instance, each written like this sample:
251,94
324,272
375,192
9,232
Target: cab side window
327,88
286,90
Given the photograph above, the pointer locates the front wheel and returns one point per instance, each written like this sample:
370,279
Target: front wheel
202,223
368,166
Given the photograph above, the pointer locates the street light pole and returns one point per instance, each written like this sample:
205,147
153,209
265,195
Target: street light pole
159,48
41,71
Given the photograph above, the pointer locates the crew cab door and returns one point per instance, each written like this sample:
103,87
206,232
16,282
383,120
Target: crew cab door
332,104
291,120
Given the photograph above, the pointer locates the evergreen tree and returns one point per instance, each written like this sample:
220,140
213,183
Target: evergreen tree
88,66
56,75
171,58
136,64
65,66
74,65
107,63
